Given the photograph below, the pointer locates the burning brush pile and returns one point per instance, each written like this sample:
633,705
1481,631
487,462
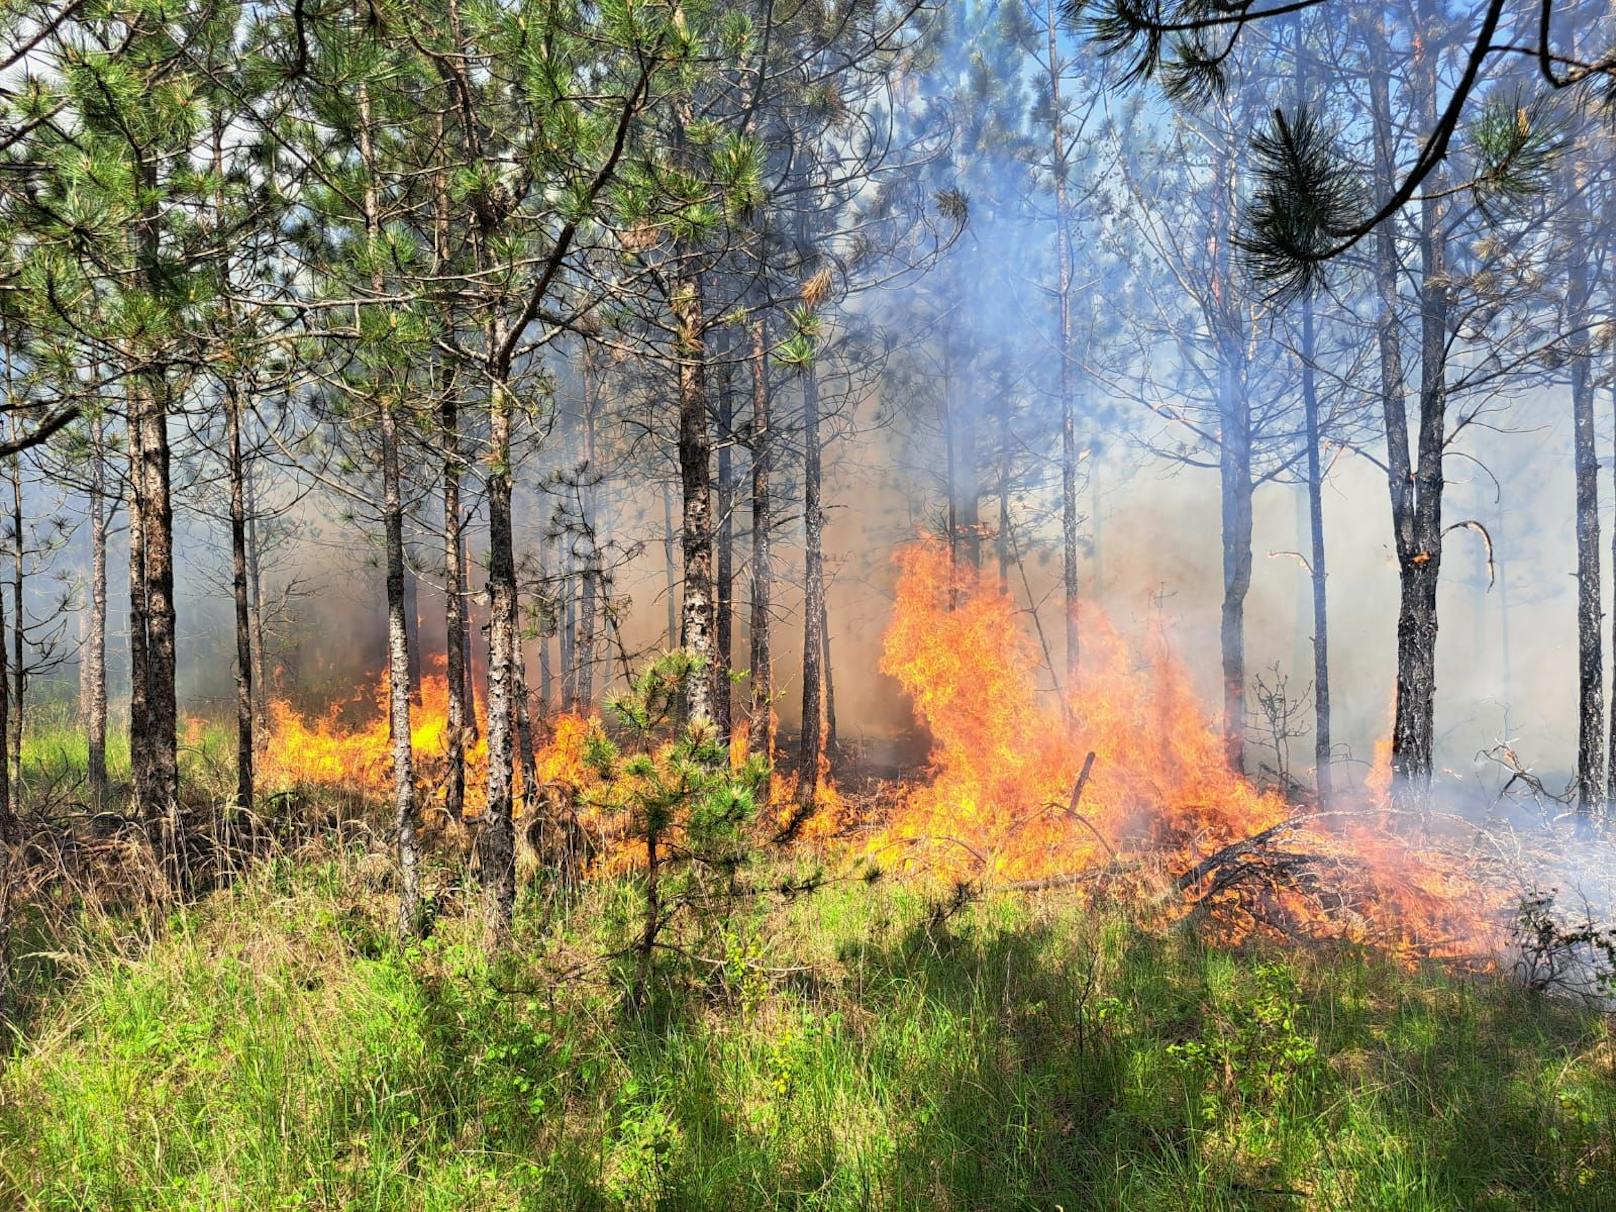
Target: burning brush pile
1120,784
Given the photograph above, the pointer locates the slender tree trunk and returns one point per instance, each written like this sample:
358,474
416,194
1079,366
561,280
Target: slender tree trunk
525,757
588,497
1234,463
1317,573
1590,658
725,614
1063,300
832,743
153,716
238,579
19,631
695,476
668,535
412,620
1002,539
161,790
498,835
761,736
1610,305
813,607
568,632
1414,724
93,670
1322,750
454,591
255,594
139,624
1234,457
9,841
398,645
1387,266
549,606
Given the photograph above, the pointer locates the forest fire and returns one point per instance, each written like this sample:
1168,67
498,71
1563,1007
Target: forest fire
1122,777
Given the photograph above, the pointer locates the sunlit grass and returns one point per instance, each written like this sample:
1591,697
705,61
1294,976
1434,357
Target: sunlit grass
56,752
275,1048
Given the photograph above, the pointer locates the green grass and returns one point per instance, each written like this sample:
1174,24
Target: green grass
56,752
274,1049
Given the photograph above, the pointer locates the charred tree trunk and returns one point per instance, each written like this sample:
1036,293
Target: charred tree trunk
762,703
695,477
398,634
238,585
811,747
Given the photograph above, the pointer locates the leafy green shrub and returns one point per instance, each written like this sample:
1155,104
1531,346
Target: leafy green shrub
1253,1049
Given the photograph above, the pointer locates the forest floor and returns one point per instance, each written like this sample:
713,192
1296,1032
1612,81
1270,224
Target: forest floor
273,1046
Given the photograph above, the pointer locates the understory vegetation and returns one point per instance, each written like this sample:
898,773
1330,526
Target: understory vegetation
276,1046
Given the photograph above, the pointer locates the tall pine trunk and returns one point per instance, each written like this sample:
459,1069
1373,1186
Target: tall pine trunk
1590,657
697,612
19,630
761,736
498,833
1420,562
9,841
1316,562
811,744
454,605
398,654
93,668
238,585
588,507
1234,456
255,594
724,620
671,567
1234,465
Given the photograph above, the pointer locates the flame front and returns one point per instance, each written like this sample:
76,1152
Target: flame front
1007,757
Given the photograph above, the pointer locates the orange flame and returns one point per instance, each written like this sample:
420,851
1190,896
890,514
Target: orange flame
1007,756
